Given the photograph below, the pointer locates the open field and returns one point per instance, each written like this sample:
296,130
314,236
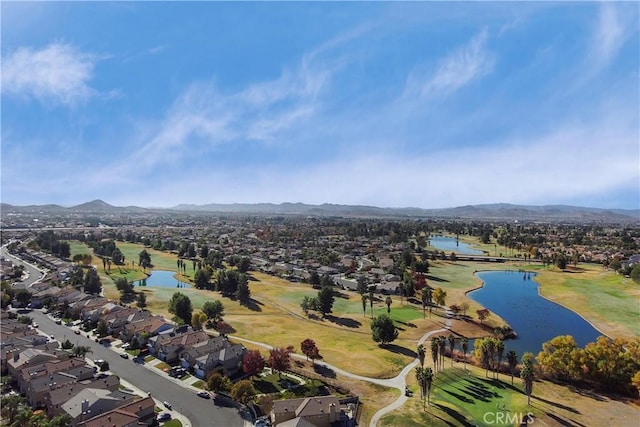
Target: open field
460,398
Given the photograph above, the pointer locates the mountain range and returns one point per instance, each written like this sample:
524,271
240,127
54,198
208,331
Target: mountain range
498,211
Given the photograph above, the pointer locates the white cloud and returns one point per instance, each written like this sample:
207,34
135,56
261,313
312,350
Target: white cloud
462,66
609,34
58,73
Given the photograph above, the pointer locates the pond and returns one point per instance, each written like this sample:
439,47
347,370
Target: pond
163,279
513,295
450,244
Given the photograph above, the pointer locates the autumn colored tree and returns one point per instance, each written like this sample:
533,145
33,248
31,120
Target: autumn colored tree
483,313
243,391
252,362
217,382
279,359
310,349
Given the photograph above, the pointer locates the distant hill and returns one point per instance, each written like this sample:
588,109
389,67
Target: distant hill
498,211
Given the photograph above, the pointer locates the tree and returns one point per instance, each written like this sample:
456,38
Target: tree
214,310
23,296
425,380
388,302
512,359
201,279
64,250
141,300
451,339
427,299
243,293
144,259
364,304
464,341
464,307
81,350
422,351
243,391
483,313
314,279
102,330
244,264
309,349
325,300
252,362
499,352
383,330
435,351
527,375
217,382
92,284
279,359
308,303
439,296
180,306
126,289
198,320
117,257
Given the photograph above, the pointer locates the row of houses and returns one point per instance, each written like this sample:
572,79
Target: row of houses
53,380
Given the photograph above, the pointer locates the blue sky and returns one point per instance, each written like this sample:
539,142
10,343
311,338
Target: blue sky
424,104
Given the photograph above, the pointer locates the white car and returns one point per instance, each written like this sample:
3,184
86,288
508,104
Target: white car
35,325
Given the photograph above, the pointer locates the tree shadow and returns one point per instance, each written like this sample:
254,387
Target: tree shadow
454,414
435,279
557,405
587,393
563,421
253,305
409,324
460,397
344,321
324,371
400,350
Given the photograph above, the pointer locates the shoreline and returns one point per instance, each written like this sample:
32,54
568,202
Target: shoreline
539,285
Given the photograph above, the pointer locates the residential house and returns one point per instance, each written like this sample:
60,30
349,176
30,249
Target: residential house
226,360
166,346
141,330
57,397
319,411
141,410
91,402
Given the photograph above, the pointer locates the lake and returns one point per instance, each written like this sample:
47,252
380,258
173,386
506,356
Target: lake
449,244
513,295
163,279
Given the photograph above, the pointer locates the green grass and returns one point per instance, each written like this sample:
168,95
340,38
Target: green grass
199,384
172,423
460,398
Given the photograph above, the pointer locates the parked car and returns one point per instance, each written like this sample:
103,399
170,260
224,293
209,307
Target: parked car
58,322
124,355
167,405
204,394
165,416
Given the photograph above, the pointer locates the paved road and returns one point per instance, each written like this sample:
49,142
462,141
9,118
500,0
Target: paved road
33,273
200,412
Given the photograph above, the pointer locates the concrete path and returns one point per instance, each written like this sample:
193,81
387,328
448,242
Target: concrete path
399,381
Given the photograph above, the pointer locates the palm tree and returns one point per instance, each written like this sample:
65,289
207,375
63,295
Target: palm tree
420,378
452,345
442,345
371,302
435,346
465,347
388,301
364,304
499,356
421,354
425,379
526,373
512,359
427,299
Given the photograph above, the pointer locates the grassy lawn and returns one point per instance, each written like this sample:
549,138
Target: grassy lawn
172,423
199,384
462,398
609,301
272,383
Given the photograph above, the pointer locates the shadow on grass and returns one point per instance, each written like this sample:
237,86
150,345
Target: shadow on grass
324,371
409,324
459,396
435,279
344,321
400,350
454,414
563,421
265,387
253,305
557,405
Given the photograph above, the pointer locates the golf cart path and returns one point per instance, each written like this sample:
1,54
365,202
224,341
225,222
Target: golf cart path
398,382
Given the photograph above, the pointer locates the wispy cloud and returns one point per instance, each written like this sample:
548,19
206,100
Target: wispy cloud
609,34
58,73
460,67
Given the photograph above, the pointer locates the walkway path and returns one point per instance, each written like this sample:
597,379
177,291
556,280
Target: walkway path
399,381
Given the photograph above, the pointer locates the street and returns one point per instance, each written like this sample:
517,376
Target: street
200,412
